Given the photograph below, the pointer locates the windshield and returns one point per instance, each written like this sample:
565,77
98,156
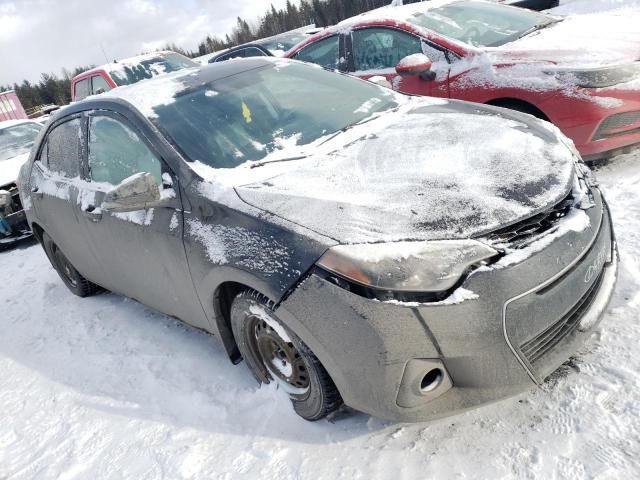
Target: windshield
284,42
17,140
247,116
152,66
481,24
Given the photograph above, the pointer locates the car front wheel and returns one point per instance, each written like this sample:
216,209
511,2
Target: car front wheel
274,353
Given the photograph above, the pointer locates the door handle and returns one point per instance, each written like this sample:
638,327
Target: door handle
93,213
36,193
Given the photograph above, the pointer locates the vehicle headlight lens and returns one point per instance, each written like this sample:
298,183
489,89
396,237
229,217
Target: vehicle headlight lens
598,77
406,266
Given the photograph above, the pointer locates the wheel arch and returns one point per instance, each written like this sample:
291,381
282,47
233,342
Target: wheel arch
37,231
518,105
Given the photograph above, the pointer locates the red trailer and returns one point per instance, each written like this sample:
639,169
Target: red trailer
10,107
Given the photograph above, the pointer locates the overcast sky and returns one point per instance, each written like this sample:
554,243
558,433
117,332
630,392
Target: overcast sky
48,35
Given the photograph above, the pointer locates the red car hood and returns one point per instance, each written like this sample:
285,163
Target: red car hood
578,41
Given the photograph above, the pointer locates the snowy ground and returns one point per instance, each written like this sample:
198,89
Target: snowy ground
105,388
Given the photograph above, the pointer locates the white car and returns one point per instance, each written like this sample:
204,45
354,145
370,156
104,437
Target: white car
16,139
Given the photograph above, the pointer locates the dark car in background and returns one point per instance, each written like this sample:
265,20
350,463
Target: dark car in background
411,257
16,139
275,46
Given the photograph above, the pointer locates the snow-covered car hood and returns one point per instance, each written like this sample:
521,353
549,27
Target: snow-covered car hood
579,41
10,169
433,170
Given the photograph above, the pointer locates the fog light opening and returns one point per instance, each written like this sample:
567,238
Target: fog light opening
431,380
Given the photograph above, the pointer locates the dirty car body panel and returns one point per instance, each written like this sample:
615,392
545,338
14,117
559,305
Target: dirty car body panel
268,218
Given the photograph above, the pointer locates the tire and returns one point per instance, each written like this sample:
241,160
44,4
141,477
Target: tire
274,353
74,281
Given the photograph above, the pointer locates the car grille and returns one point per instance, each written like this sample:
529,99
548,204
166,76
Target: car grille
524,232
615,122
538,346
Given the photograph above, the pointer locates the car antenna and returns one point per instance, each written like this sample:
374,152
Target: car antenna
104,53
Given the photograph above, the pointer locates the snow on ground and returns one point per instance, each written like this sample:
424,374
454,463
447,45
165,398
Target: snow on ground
106,388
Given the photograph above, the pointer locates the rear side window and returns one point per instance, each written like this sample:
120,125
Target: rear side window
116,152
99,85
63,149
81,89
323,52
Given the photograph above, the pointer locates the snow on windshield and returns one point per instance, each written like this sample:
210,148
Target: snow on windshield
421,174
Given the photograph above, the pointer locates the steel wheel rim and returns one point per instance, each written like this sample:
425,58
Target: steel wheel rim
279,357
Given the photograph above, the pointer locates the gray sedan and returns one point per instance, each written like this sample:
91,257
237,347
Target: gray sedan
409,257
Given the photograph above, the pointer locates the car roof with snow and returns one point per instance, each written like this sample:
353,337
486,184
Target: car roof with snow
147,94
131,61
399,13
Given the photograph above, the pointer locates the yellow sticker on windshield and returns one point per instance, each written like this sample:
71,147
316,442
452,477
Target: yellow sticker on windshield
246,113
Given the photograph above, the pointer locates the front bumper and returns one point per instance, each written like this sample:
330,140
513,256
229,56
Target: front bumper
601,122
374,351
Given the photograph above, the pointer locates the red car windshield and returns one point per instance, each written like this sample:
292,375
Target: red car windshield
481,23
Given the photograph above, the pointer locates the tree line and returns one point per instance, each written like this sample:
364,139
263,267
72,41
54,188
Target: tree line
53,89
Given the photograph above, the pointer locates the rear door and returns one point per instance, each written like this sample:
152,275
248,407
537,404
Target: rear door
375,51
141,252
54,192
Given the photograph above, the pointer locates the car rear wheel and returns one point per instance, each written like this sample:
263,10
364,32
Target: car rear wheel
78,285
275,353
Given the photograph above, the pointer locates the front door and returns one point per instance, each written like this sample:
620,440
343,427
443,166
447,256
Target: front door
375,51
141,252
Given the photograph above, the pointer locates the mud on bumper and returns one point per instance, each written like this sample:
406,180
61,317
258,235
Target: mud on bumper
522,327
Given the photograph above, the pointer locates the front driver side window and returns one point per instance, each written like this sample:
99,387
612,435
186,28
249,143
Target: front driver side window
382,48
323,52
116,152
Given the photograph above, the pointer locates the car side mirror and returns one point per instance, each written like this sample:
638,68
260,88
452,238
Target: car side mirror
416,64
138,192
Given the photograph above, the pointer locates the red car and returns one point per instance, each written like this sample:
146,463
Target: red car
125,72
582,73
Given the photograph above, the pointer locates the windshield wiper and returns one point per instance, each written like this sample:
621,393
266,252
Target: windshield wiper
536,28
368,119
278,160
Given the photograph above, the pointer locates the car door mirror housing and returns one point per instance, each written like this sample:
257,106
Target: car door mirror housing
138,192
416,64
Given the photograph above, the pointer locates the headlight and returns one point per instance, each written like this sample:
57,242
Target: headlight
406,266
598,77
